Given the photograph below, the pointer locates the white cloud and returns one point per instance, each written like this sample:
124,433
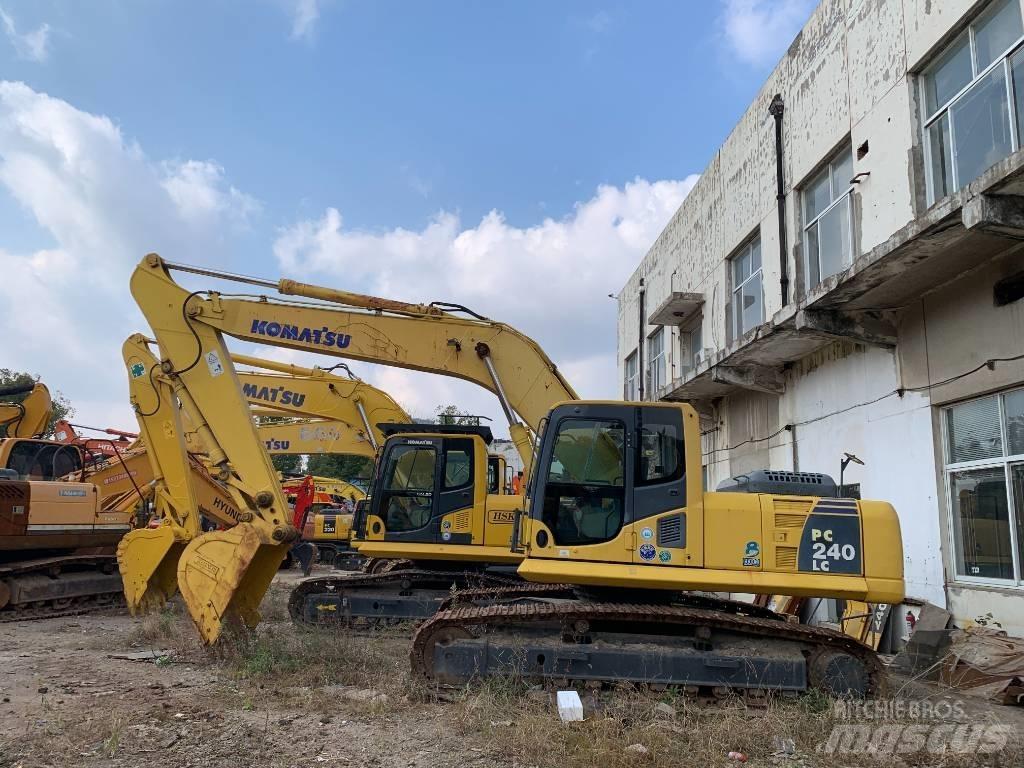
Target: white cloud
550,280
104,204
305,14
33,46
758,31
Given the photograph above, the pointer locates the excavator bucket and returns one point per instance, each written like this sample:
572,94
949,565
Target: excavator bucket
148,559
223,575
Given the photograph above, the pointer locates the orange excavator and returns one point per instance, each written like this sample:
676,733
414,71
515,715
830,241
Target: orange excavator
56,540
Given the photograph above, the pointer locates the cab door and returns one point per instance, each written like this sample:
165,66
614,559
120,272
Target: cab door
407,502
659,487
580,498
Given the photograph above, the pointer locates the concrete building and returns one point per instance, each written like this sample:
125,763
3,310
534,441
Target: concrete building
847,277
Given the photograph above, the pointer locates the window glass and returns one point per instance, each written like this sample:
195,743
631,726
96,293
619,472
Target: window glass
941,157
694,340
1013,406
584,496
981,127
747,296
741,267
842,172
632,391
833,241
981,523
750,303
492,475
660,458
656,362
1017,484
973,430
409,484
997,31
817,196
410,467
952,73
458,463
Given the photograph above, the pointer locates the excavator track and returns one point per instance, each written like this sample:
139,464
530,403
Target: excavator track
695,648
52,587
392,596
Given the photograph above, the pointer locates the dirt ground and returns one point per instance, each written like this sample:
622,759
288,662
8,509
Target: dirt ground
291,697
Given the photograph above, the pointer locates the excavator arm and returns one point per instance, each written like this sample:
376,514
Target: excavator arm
224,574
422,337
29,417
315,394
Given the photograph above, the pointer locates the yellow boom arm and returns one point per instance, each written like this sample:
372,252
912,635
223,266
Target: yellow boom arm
422,337
29,417
221,574
312,392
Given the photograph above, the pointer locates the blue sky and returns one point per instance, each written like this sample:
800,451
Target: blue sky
457,146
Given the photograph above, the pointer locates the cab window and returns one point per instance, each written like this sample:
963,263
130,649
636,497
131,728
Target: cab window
458,464
43,461
660,458
492,476
409,487
584,494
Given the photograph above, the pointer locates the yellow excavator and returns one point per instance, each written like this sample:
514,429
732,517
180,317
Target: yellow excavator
615,508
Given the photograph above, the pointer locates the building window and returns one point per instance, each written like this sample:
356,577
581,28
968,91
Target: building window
656,363
747,294
984,449
974,100
691,344
828,236
632,388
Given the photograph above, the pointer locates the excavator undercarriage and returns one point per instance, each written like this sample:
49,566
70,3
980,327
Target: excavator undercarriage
705,645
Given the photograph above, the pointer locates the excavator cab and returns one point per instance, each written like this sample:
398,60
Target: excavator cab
497,468
619,485
431,497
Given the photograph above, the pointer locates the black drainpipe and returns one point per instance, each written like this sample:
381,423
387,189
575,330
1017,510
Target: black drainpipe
641,371
775,109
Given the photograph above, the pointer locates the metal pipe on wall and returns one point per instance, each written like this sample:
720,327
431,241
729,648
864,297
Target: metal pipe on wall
776,110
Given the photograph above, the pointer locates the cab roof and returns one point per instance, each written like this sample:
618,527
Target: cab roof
389,429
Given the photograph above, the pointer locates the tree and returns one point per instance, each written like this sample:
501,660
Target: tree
341,466
451,415
287,463
62,408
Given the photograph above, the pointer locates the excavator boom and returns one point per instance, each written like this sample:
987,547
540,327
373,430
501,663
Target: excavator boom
422,337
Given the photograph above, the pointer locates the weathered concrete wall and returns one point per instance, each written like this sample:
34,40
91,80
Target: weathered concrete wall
892,436
847,80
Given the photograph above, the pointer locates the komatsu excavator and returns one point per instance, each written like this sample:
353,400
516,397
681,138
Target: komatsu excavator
616,508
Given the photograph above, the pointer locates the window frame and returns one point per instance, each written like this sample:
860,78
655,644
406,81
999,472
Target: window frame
631,383
660,359
844,198
686,334
737,307
1003,462
977,75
